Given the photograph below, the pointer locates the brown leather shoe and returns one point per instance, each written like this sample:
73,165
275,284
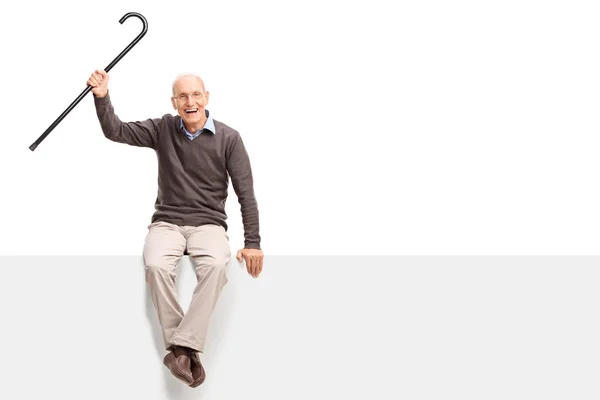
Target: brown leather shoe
178,362
198,372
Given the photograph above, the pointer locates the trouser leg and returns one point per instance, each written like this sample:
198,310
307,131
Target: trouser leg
163,248
208,246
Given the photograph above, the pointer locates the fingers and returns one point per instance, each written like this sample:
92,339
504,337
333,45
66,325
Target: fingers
253,260
252,269
255,265
259,265
93,81
249,263
97,78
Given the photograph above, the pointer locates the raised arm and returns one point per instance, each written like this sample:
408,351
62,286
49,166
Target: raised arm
139,133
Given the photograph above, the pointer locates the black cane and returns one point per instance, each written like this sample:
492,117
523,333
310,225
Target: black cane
89,88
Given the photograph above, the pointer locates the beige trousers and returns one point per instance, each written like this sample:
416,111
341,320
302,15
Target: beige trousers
208,247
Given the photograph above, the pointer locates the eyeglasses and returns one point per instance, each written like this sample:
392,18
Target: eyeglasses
182,97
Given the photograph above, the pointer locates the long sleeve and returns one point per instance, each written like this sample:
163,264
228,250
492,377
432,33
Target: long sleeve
240,171
139,133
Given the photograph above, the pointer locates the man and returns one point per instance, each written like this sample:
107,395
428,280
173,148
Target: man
196,157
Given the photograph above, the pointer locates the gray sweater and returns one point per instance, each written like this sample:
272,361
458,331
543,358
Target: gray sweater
193,175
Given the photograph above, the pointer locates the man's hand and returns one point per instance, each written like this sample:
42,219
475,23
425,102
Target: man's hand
99,83
254,260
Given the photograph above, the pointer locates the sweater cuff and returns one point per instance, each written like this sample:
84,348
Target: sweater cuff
101,100
252,245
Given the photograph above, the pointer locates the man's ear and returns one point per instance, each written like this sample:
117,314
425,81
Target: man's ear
173,103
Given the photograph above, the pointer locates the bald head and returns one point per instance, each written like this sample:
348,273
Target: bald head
187,77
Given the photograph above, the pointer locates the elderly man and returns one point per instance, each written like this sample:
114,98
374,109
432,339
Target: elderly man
196,157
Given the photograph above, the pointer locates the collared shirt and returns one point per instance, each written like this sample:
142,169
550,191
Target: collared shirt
209,125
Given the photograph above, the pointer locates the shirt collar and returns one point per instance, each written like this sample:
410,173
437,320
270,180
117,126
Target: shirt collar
208,125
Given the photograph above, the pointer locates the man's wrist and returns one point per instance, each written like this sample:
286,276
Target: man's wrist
100,97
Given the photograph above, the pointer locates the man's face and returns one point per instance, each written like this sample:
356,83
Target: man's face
189,100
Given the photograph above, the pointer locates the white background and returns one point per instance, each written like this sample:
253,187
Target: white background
375,127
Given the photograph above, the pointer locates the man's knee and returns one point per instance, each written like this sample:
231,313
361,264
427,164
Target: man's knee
217,264
156,267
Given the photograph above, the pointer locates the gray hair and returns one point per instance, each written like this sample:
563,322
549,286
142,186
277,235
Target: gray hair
185,75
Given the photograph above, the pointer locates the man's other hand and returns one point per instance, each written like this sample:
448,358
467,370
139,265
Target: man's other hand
253,259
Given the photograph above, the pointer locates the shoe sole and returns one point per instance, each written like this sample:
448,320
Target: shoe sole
195,385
